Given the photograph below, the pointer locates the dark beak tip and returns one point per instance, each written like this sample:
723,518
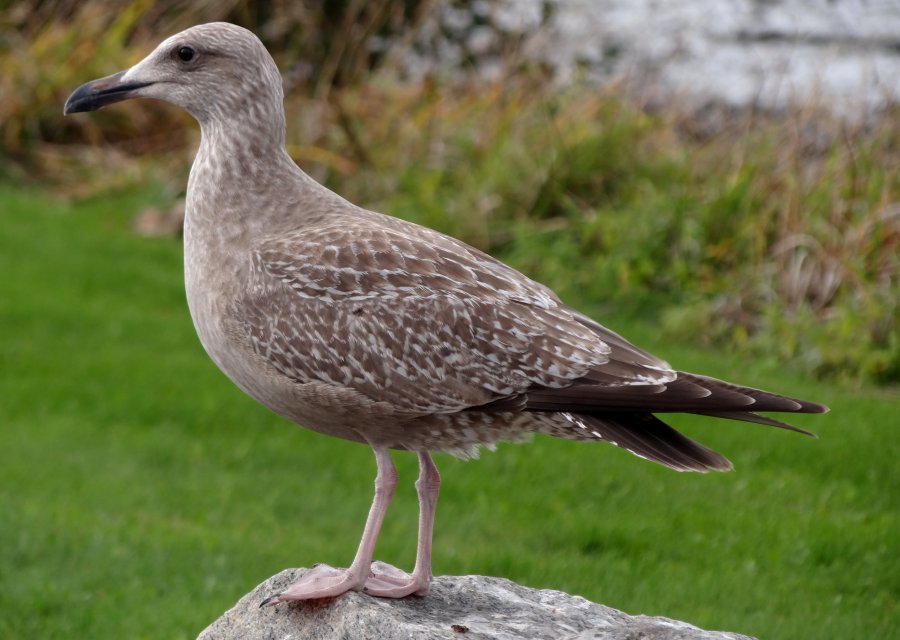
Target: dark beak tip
72,106
98,93
87,97
78,101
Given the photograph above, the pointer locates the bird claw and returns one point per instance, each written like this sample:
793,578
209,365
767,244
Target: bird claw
269,600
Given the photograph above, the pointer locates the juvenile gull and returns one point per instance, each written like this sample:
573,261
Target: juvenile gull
369,328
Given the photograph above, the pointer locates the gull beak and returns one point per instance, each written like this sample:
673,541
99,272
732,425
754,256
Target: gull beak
99,93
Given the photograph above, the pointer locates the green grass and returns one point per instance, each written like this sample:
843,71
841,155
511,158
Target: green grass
141,494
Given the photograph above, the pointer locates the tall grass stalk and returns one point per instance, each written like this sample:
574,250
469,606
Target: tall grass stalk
779,234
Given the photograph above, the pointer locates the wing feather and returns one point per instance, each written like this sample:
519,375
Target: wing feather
421,321
429,327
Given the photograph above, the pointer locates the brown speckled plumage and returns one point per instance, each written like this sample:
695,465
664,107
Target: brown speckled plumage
370,328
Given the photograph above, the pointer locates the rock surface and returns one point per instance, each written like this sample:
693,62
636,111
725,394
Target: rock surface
458,607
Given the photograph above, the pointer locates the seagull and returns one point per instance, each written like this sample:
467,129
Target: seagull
366,327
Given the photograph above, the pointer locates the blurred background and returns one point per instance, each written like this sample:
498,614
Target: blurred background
716,180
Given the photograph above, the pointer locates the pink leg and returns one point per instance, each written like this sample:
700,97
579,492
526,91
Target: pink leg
389,582
323,581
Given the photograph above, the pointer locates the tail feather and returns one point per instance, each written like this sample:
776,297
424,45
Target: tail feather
648,437
624,414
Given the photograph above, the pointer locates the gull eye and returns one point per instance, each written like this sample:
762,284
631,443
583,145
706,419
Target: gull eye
186,54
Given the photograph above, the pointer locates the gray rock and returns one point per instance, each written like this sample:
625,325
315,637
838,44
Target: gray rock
458,607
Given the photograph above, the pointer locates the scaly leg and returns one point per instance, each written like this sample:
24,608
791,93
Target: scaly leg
389,582
323,581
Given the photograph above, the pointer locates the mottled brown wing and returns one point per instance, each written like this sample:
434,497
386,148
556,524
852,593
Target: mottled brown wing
424,323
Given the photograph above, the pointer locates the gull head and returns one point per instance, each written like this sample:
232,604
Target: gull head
216,72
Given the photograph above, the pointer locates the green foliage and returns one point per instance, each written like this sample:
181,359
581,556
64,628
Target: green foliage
771,234
810,268
49,48
779,235
135,479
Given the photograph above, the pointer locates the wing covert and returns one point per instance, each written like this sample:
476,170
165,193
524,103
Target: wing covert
426,328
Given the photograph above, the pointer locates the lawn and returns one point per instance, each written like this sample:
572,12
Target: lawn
141,494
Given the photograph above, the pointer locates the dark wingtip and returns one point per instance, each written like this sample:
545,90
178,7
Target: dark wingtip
750,416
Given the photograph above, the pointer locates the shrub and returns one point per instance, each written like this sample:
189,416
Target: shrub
779,234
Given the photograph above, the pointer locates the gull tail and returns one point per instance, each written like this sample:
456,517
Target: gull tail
624,415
